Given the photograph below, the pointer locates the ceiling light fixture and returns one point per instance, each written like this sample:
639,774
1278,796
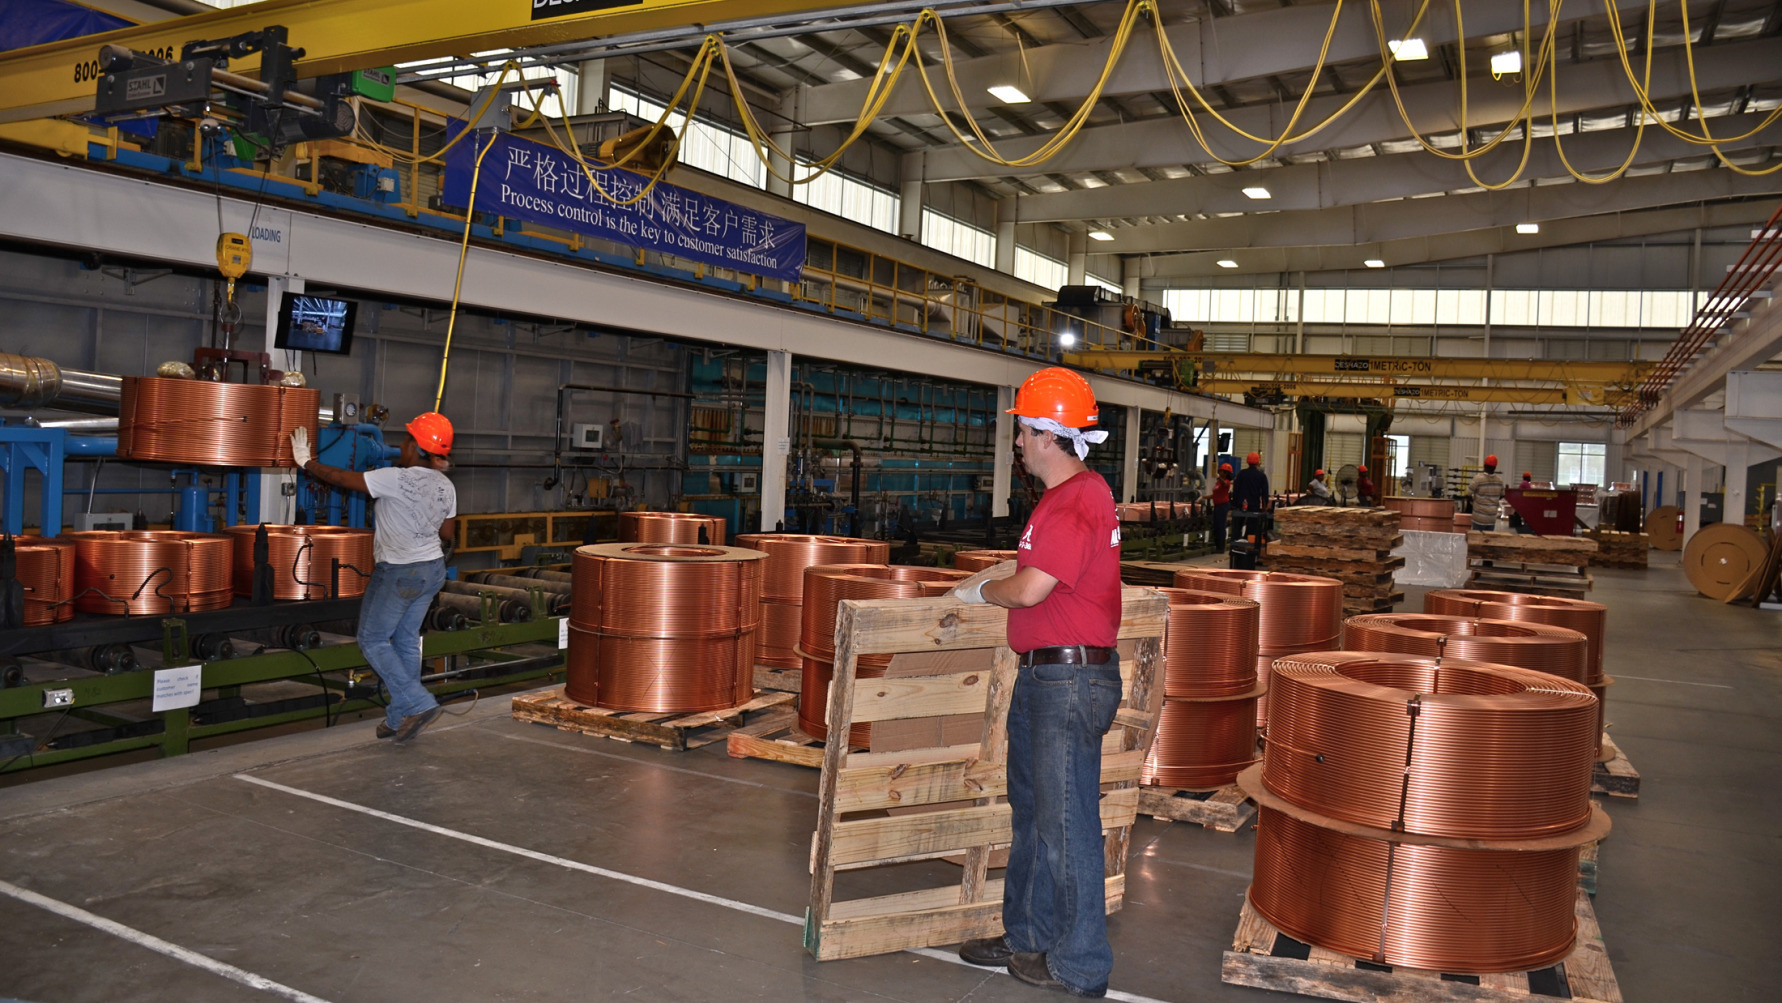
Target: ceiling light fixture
1506,63
1257,192
1227,263
1408,50
1528,228
1067,339
1100,235
1009,94
1374,263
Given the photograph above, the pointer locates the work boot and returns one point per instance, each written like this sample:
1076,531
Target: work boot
412,724
1032,969
991,952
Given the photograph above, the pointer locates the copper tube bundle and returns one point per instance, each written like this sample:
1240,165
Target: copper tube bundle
1529,645
782,583
1424,812
1206,733
824,587
151,572
663,628
212,424
45,571
302,560
1428,515
1299,613
671,527
978,560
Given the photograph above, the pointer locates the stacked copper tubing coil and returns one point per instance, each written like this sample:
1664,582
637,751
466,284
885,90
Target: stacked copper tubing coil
151,572
664,628
1427,515
1206,732
1553,650
1588,618
782,583
302,560
671,527
978,560
212,424
824,587
1299,613
1424,812
45,570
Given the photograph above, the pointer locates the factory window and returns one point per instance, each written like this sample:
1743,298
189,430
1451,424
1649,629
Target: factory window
720,150
1581,463
1031,266
960,239
839,195
1114,287
1629,308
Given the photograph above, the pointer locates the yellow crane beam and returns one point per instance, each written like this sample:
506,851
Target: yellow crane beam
1575,394
338,36
1229,364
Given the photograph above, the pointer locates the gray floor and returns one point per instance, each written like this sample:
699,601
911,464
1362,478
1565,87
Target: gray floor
347,906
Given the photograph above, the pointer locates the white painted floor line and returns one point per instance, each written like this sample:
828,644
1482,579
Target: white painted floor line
157,945
1679,682
576,865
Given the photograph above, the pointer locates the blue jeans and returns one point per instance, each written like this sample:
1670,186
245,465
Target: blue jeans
390,617
1054,897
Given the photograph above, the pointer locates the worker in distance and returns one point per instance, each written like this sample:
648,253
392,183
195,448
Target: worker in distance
1062,592
416,511
1487,490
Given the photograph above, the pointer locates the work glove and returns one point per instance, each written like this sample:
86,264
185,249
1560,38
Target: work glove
971,590
301,454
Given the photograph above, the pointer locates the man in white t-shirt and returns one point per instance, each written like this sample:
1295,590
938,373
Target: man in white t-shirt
416,509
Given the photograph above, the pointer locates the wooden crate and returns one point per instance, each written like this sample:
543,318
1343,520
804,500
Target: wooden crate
949,799
1265,958
677,732
1225,809
1615,776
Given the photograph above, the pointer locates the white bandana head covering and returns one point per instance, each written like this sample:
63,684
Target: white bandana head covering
1079,437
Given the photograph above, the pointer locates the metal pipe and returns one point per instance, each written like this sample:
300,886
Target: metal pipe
28,381
88,426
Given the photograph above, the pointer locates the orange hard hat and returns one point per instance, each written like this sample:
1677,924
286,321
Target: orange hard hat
1491,461
1318,473
1527,475
1254,459
1058,394
1225,468
1361,469
432,433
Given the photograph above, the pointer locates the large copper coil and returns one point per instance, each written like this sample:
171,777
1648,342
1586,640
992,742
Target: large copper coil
1439,747
1436,908
213,424
45,570
1201,744
781,625
978,560
151,572
1420,508
788,554
1529,645
1299,613
1588,618
664,628
302,560
671,527
1210,645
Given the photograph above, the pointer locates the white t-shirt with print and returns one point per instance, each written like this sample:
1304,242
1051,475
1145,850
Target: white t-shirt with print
411,504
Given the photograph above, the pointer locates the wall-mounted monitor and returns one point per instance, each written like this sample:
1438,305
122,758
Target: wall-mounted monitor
315,324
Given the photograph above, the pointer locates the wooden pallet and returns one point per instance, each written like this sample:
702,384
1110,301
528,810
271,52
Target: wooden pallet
769,677
1353,605
1616,777
1265,958
1587,867
881,810
676,732
1351,554
1225,808
1155,574
779,740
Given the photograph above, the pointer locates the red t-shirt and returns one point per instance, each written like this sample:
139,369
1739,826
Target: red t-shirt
1221,491
1074,536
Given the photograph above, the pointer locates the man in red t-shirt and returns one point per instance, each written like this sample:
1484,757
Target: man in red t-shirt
1063,598
1221,505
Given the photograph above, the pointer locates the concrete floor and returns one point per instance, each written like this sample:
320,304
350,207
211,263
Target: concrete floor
347,906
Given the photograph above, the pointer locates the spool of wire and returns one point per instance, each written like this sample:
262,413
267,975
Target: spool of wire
782,583
302,560
978,560
1299,613
671,527
1206,732
824,587
1529,645
1201,744
46,573
1429,515
151,572
664,628
212,424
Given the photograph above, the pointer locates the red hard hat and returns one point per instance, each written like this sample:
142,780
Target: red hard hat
1318,473
1225,467
1361,469
1528,475
1491,461
1254,459
432,433
1058,394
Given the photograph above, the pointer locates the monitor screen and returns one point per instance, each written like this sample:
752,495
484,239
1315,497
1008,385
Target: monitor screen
315,324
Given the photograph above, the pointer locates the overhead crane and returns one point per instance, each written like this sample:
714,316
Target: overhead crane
1450,393
1352,366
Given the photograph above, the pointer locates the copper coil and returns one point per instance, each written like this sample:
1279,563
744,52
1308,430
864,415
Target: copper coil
1421,508
1210,645
1419,525
151,572
663,627
302,560
1446,747
1529,645
1588,618
1431,907
828,584
788,554
45,570
781,625
1300,613
978,560
1201,743
671,527
813,696
213,424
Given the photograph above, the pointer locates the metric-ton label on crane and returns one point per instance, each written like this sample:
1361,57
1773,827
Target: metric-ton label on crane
1421,366
542,9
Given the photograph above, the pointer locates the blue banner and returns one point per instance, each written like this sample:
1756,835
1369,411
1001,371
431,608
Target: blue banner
525,180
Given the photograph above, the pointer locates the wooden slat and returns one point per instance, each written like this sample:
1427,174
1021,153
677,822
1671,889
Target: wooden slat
916,901
879,926
930,832
1587,968
887,626
920,696
929,783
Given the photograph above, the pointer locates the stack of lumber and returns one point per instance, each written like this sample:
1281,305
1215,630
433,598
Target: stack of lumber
1619,550
1539,565
1352,545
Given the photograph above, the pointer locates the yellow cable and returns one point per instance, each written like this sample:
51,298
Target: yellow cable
458,285
1639,131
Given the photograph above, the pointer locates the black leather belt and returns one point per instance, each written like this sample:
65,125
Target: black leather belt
1067,654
